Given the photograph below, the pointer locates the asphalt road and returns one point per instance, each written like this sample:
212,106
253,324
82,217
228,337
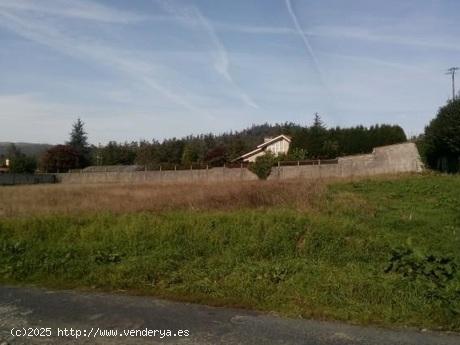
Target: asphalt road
39,311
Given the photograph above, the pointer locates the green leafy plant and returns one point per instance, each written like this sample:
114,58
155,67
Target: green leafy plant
436,273
107,257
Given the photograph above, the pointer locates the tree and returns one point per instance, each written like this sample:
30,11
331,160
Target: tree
148,153
19,163
59,159
23,164
171,151
12,151
297,154
320,142
216,156
311,139
194,151
318,123
262,167
118,154
317,137
442,139
79,142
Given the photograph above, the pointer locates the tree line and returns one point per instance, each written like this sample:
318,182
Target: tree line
308,142
439,145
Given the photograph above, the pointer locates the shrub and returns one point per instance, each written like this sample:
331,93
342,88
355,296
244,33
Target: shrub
262,167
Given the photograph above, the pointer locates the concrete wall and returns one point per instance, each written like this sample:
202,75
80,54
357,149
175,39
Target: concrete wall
165,176
383,160
15,179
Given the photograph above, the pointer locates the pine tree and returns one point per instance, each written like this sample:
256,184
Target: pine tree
317,137
318,123
79,142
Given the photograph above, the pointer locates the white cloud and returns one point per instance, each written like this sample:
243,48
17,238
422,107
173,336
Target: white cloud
375,35
79,9
257,30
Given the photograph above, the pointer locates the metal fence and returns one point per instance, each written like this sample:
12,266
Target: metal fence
193,166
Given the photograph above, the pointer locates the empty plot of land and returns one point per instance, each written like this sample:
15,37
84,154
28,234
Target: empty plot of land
72,199
381,251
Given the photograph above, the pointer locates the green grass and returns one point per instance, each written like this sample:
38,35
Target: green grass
329,262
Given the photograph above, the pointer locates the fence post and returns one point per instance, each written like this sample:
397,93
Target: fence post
319,168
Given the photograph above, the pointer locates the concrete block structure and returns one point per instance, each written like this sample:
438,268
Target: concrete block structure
392,159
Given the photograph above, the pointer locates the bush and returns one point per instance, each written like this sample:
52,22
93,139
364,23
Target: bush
262,167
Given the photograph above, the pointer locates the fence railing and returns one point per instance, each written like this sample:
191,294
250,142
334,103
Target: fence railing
308,162
195,166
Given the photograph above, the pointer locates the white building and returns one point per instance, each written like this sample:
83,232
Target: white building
278,145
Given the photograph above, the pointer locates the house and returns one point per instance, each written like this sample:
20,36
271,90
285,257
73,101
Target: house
277,145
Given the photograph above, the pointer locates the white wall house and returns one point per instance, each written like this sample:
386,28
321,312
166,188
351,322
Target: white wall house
278,145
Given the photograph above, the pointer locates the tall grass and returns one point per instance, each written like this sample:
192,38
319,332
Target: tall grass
327,257
122,198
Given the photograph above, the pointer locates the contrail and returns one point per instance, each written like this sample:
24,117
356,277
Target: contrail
42,33
221,61
304,38
331,104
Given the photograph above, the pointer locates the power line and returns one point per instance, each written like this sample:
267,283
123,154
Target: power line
451,71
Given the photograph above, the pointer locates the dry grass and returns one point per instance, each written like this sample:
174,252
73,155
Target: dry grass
118,198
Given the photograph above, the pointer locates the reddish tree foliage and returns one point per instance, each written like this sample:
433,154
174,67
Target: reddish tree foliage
59,158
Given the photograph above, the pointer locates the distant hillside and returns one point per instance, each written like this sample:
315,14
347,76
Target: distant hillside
29,149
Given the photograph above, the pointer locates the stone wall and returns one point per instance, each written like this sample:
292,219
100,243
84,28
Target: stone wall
383,160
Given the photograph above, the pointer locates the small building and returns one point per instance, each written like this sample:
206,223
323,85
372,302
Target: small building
277,145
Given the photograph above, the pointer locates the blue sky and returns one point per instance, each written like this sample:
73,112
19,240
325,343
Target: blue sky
161,68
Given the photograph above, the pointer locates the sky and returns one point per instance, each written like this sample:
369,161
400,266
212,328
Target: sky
154,69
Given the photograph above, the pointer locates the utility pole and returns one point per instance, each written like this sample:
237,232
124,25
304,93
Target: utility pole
451,71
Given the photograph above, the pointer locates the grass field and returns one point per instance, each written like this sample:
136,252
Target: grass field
382,251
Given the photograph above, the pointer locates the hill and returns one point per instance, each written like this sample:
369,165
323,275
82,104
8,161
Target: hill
29,149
